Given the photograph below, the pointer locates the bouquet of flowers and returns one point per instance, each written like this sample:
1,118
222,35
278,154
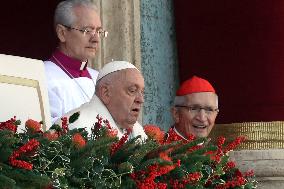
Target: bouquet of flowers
63,158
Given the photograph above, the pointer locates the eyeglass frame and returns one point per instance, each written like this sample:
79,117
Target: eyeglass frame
191,108
89,32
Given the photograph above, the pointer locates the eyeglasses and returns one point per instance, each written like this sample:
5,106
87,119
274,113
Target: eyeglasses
90,32
197,109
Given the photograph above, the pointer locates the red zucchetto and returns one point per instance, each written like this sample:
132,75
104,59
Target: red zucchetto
194,85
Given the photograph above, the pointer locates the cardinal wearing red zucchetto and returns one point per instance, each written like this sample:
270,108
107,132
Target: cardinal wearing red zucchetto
195,110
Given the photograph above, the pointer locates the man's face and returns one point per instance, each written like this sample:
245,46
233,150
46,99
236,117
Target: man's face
126,97
196,118
77,45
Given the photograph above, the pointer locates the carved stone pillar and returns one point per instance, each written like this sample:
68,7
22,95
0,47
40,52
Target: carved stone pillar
121,18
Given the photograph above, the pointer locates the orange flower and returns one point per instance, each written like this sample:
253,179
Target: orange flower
165,156
78,140
154,132
33,126
51,135
112,132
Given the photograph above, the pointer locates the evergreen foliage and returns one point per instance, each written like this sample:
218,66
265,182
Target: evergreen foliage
60,158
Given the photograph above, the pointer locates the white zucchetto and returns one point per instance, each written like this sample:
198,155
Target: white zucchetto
113,67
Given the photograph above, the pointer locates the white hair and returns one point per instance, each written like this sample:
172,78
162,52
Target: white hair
64,12
181,100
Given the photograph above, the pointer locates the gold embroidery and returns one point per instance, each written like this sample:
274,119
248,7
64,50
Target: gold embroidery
260,135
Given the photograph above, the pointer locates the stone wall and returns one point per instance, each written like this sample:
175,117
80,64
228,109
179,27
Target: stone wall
142,32
268,166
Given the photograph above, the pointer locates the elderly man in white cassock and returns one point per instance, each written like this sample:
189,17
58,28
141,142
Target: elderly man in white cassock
118,98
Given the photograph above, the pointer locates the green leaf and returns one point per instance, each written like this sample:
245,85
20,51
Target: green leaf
98,166
65,158
60,171
7,182
74,117
208,169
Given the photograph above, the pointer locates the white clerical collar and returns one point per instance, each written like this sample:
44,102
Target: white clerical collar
179,134
83,64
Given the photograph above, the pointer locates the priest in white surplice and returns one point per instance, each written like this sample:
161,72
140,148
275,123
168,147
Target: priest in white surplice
70,80
118,98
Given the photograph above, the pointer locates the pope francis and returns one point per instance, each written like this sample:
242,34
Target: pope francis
119,97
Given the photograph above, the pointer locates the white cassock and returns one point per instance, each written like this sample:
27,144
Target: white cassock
65,93
88,113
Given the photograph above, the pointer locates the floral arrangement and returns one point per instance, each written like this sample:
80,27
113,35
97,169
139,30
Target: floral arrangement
63,158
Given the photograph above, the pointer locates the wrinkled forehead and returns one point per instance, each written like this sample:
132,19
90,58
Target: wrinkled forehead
129,76
203,99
